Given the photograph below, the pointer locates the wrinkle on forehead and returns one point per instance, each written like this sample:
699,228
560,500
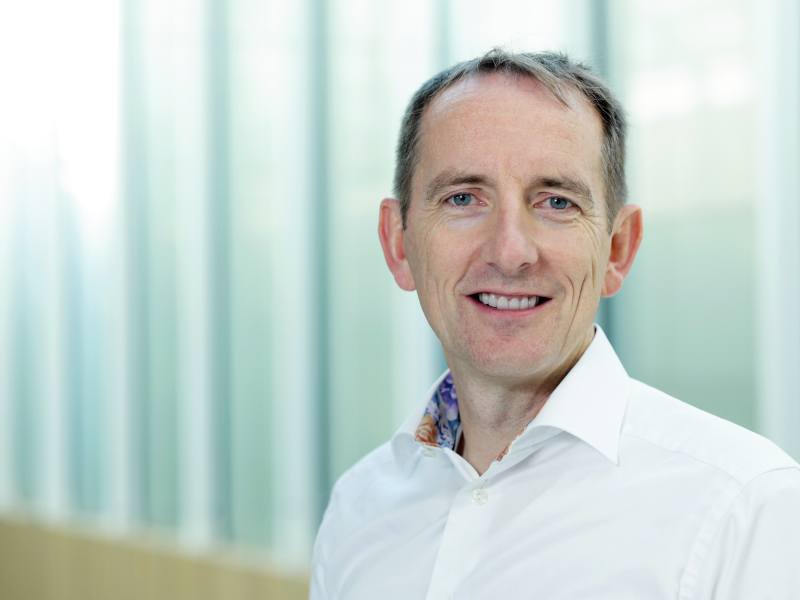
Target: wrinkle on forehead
481,107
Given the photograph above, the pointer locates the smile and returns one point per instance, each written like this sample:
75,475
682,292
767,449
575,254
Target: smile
509,302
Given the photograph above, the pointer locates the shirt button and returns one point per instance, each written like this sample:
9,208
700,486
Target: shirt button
480,496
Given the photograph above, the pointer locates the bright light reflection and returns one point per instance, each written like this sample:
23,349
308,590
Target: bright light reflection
61,59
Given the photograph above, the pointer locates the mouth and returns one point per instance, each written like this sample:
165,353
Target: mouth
509,303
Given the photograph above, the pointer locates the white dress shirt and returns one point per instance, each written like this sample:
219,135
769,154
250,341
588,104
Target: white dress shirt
614,491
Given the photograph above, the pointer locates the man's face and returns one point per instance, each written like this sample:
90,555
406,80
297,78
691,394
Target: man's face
506,240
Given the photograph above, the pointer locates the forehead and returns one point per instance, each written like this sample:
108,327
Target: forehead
510,124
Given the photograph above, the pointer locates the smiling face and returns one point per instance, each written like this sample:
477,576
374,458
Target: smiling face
506,240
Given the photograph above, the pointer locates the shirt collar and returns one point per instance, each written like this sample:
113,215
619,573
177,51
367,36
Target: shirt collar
589,403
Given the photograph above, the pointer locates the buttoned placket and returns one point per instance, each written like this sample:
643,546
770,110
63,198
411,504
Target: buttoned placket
467,523
471,514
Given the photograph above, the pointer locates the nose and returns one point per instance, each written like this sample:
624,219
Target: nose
511,246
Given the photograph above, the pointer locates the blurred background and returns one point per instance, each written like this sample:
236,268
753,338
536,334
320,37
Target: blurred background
198,334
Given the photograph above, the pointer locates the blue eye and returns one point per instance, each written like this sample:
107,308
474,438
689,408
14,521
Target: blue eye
559,203
461,199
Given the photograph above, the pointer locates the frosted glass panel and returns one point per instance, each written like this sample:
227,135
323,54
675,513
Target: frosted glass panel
198,333
684,321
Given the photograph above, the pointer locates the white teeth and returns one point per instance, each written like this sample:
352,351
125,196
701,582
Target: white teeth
507,303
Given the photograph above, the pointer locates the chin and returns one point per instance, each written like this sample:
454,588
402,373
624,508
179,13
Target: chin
521,364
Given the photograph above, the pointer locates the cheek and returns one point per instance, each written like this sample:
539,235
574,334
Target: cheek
429,262
580,258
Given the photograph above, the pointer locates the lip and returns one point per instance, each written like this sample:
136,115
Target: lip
507,294
507,313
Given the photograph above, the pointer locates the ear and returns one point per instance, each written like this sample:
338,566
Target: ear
625,239
392,234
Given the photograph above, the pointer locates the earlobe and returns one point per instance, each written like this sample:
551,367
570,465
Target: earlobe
625,240
392,237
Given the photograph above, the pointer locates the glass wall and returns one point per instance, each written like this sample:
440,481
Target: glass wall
685,321
198,334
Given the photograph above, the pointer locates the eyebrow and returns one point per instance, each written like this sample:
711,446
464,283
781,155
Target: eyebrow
452,178
569,184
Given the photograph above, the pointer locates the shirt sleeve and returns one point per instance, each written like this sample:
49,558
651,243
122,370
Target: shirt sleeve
317,589
754,553
320,558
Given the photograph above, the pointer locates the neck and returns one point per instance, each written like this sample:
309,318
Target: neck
494,411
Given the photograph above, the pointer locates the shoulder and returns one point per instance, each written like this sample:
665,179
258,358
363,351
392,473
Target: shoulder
358,492
347,496
673,426
361,495
365,474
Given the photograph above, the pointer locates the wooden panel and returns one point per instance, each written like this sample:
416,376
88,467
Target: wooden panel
42,563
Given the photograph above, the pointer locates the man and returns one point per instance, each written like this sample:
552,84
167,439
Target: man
536,468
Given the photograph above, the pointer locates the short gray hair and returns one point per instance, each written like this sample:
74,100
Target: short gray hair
558,74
